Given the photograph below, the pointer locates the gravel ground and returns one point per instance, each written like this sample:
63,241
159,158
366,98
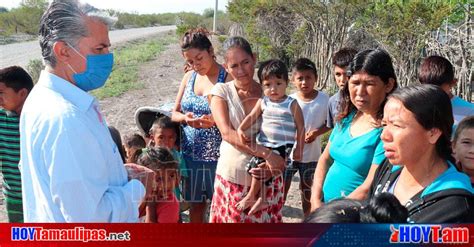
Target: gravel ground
161,78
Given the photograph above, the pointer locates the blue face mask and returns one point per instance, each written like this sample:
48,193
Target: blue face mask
98,69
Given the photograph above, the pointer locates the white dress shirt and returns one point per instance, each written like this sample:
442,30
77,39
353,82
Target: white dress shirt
71,169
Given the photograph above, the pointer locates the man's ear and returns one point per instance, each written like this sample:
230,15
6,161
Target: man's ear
61,51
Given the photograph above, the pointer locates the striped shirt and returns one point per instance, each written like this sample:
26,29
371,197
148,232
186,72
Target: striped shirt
9,159
278,125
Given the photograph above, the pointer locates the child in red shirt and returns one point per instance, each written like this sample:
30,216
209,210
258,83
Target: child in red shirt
163,206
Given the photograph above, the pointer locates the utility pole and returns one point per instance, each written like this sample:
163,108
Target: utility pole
215,18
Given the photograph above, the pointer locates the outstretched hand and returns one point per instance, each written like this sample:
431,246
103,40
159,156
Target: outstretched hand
203,122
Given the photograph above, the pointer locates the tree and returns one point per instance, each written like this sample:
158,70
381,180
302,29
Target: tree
208,13
3,10
40,4
402,28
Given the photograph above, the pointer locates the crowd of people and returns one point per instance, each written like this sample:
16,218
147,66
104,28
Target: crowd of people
395,154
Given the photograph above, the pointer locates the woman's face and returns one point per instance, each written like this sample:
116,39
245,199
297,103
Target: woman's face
367,92
240,65
404,139
200,61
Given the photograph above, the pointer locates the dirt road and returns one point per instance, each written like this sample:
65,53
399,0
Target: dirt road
21,53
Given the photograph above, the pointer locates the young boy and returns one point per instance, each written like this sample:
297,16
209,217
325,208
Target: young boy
341,59
282,128
439,71
15,85
132,143
164,133
314,105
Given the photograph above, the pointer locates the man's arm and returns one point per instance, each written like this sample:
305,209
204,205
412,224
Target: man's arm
81,172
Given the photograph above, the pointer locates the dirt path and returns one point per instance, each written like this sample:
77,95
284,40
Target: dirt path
161,78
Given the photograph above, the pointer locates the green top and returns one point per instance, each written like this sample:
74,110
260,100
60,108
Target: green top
9,159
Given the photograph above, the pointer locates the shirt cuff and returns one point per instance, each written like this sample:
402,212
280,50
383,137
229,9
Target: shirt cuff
137,190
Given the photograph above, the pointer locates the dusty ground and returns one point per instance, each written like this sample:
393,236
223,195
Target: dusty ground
161,78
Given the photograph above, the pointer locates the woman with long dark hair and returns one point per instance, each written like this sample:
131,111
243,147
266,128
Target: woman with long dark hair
354,150
419,169
200,139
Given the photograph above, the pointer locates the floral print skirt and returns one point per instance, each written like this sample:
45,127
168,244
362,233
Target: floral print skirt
228,194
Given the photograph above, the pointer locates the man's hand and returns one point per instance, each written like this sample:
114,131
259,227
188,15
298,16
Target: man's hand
145,175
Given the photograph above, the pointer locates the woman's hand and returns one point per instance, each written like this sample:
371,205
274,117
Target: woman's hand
274,166
243,137
203,122
262,172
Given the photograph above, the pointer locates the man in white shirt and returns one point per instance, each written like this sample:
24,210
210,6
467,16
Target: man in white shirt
70,167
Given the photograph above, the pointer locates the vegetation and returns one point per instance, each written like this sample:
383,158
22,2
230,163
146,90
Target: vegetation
127,61
25,19
34,68
316,29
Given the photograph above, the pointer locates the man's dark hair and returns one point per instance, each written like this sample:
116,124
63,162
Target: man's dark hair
343,57
436,70
16,77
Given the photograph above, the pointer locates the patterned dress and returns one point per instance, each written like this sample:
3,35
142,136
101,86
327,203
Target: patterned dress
200,144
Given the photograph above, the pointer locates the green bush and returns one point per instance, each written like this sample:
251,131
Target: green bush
222,38
325,140
128,60
34,68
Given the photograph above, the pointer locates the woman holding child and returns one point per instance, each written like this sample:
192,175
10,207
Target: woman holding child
230,104
201,138
354,148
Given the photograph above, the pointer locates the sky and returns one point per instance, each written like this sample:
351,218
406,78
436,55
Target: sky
144,6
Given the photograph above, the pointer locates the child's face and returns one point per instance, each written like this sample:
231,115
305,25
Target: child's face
166,181
304,81
464,149
340,76
11,100
164,138
274,88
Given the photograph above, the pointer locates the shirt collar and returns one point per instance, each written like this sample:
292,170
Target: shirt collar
69,91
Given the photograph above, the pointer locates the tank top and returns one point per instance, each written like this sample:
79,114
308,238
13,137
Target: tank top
200,144
278,125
